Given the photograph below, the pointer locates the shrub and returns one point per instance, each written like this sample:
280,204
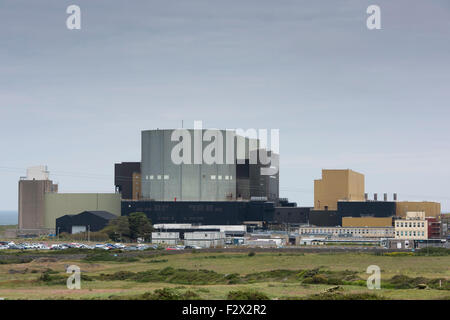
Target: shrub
165,294
106,256
158,261
15,261
247,295
251,254
341,296
316,279
433,251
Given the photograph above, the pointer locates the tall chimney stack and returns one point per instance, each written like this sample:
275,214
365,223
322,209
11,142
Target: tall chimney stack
395,197
385,196
375,196
366,196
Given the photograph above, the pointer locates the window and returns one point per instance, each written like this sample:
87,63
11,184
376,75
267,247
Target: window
166,177
219,177
213,177
159,177
151,177
227,177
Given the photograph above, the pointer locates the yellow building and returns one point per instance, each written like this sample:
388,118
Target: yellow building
337,185
366,222
431,209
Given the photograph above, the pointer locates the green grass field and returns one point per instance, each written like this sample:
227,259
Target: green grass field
276,275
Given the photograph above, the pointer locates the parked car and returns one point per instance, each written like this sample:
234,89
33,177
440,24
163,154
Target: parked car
193,247
130,248
101,246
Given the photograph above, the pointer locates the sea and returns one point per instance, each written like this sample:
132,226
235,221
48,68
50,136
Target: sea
8,217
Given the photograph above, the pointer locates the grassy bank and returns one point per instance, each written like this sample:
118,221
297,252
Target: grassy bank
229,275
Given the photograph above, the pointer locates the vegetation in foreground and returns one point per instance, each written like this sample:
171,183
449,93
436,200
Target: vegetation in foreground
201,275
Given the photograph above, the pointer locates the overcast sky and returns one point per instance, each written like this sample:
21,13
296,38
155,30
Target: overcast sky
343,96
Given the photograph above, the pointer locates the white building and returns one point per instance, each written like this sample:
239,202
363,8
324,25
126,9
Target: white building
204,239
413,227
350,232
37,173
167,238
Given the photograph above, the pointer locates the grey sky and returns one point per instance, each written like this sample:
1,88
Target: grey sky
341,95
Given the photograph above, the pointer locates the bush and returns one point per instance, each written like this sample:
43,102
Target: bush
272,275
158,261
341,296
15,261
161,294
398,254
106,256
251,254
316,279
433,251
49,279
247,295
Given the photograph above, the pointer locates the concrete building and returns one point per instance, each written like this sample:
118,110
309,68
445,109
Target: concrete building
337,185
37,173
177,170
413,227
366,222
32,191
348,232
59,204
431,209
204,239
40,204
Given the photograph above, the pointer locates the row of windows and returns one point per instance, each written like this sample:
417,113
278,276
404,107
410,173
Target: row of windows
410,224
410,233
219,177
348,231
166,177
157,177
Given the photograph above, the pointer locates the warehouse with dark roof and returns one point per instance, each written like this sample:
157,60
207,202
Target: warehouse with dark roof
84,221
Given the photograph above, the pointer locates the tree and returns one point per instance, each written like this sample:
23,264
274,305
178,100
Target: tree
140,226
118,229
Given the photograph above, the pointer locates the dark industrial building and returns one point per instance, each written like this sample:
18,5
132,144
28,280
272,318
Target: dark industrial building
85,221
322,218
123,178
376,209
250,182
291,215
203,212
328,218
